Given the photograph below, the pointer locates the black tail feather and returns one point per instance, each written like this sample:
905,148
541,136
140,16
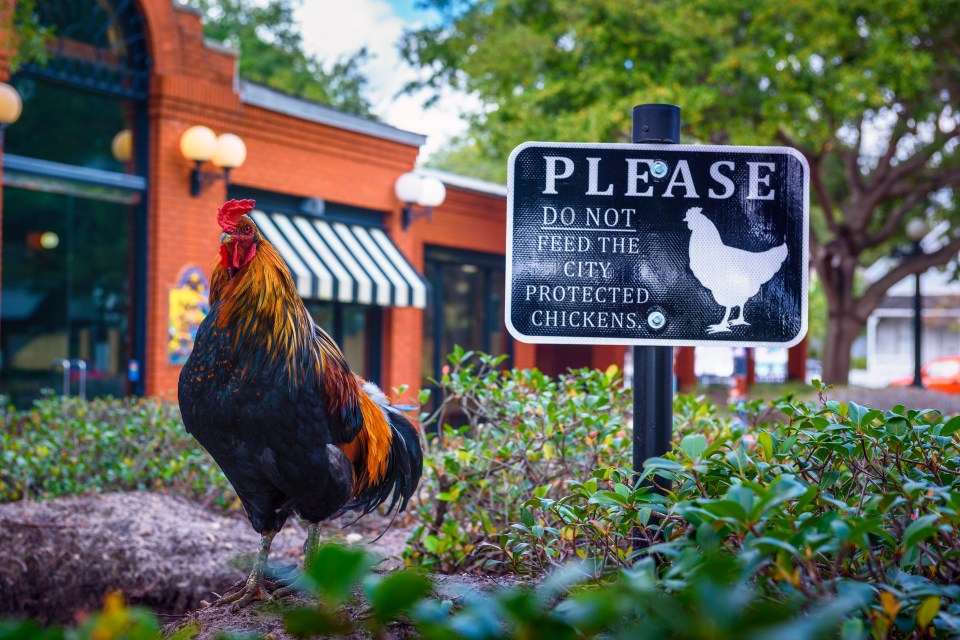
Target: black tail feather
404,468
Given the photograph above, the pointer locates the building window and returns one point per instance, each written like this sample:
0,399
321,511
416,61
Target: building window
67,125
66,291
465,306
357,329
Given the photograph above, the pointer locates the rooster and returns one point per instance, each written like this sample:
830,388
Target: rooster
732,275
271,397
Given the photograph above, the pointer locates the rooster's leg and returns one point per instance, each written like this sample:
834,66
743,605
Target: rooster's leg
254,588
723,325
310,548
740,319
312,545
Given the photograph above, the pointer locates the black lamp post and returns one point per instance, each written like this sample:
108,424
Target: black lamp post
916,230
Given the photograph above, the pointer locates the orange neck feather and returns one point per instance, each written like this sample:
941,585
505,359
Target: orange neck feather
261,304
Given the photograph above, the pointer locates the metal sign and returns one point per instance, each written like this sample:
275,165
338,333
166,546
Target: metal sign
657,244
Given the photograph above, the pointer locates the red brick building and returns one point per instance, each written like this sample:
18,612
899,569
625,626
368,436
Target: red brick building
105,253
105,249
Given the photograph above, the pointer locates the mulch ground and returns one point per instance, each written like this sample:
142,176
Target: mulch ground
58,558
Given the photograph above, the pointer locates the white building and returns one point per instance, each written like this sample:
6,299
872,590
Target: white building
889,342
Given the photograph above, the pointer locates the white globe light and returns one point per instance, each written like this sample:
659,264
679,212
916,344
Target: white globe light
198,143
10,104
49,240
917,229
122,146
231,151
432,193
408,187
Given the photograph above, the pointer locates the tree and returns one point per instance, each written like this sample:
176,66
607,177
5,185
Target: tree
27,40
271,53
867,91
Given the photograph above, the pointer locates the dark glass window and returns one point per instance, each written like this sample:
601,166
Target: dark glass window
465,307
65,293
65,125
357,329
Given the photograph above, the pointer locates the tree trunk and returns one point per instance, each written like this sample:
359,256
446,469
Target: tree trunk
842,329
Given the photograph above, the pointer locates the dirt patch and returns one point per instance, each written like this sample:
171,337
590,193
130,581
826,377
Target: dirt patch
266,619
60,557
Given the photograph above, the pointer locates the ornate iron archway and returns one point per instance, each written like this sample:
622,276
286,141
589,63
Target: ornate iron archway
99,45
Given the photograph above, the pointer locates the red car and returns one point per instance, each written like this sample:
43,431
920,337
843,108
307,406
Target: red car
940,374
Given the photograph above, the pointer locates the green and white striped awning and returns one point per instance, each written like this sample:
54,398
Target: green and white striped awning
343,262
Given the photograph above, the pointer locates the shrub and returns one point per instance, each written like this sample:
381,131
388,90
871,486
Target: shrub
525,434
68,446
835,494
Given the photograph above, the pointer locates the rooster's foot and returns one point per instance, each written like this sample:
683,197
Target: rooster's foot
262,590
257,586
250,591
719,328
738,322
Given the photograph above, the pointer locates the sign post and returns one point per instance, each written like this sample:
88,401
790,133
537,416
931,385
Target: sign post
653,377
656,244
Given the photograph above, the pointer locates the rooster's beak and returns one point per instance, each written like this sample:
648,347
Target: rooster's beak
225,238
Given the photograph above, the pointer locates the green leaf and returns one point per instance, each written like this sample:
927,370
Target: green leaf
927,611
856,413
919,530
897,426
727,509
693,445
766,443
305,622
396,593
608,498
775,543
526,517
951,427
336,570
662,463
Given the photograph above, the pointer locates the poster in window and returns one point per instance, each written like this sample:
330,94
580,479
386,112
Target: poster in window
189,305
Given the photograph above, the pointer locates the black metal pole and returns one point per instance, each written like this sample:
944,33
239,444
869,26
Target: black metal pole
653,366
917,331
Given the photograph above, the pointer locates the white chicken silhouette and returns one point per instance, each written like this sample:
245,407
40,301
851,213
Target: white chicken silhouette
732,275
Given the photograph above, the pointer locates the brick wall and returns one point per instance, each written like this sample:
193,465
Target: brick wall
195,84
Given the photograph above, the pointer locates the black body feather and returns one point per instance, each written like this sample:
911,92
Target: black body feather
277,442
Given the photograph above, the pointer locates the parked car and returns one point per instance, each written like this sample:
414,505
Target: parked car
940,374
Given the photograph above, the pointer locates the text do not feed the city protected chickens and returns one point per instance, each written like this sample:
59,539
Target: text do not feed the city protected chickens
657,244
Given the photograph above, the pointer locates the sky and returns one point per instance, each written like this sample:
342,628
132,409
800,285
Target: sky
334,28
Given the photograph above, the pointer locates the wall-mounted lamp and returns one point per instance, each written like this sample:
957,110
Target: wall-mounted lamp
200,144
415,190
122,146
10,107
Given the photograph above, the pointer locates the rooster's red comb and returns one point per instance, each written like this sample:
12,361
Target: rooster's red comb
229,213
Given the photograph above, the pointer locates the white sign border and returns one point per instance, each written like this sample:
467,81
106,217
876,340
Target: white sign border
662,342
